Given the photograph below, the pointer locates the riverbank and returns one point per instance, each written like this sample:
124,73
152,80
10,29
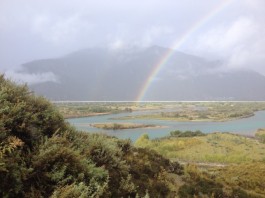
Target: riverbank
85,115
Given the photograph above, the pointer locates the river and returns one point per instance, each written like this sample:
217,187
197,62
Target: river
245,126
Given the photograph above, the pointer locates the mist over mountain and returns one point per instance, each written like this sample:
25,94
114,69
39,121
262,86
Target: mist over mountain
120,74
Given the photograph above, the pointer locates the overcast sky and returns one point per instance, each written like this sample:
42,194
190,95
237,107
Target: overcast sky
232,30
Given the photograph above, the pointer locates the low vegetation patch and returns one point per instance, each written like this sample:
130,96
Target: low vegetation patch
248,176
75,110
260,135
242,181
212,148
120,126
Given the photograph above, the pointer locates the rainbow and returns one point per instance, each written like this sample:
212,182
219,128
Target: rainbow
178,43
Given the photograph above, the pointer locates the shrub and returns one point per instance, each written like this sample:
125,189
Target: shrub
179,133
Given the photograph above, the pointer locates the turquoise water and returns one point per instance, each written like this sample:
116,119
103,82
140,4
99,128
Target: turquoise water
245,126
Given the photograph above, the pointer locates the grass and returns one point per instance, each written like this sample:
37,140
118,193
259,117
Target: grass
260,135
249,176
212,148
244,180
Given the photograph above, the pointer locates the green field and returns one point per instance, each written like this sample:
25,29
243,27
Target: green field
213,148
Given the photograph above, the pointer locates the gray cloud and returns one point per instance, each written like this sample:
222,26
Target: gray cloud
35,29
240,42
30,79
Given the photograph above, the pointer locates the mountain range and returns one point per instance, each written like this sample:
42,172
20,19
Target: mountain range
99,74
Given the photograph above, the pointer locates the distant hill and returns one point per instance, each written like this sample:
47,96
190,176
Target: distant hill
102,74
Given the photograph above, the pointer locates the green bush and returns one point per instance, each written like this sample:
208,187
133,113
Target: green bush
178,133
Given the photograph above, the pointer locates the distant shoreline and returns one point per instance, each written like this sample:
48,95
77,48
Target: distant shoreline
149,117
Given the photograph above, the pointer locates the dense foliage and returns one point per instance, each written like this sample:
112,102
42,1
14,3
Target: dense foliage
42,156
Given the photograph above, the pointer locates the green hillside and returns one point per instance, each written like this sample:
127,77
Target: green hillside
42,156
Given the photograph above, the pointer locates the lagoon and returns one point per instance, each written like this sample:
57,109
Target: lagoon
244,126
